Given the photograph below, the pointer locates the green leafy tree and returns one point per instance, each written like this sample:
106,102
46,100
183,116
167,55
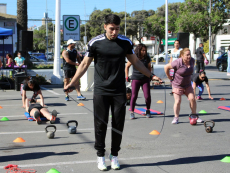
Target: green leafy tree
194,17
96,21
136,22
155,25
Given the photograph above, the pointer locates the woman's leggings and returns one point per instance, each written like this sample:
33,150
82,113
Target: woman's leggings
145,83
201,88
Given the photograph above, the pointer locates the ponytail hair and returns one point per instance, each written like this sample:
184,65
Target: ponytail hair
202,72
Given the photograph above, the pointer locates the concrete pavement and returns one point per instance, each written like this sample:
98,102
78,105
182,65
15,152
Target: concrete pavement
179,148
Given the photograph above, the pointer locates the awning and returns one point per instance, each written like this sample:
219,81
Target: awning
170,41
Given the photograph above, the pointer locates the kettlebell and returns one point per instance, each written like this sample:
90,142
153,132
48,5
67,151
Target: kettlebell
50,134
72,129
209,129
193,121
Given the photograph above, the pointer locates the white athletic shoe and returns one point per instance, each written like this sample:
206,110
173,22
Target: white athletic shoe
114,162
101,164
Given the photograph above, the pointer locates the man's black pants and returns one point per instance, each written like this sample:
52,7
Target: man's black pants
102,104
199,66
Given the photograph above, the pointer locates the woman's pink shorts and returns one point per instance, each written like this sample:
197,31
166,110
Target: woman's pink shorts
181,91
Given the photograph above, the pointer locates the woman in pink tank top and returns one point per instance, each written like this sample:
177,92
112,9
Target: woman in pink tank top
10,62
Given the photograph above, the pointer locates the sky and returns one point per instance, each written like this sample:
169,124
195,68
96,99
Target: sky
37,8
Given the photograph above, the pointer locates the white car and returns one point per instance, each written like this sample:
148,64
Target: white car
161,57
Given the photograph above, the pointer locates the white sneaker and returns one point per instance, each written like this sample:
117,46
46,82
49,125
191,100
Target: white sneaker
175,120
199,120
114,162
101,164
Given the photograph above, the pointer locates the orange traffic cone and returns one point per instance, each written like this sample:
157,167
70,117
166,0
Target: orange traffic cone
19,139
160,101
81,104
154,132
0,107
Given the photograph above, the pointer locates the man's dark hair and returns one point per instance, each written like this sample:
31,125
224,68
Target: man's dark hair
177,40
201,43
112,19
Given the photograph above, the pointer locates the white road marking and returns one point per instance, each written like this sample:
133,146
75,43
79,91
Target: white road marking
88,161
11,133
58,115
50,91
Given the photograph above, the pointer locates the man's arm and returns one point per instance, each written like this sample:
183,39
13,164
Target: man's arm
80,71
27,105
209,92
66,57
140,66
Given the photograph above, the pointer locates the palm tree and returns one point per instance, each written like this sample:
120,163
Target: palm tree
21,18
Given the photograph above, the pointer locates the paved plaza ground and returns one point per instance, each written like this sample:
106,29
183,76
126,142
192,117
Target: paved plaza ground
179,148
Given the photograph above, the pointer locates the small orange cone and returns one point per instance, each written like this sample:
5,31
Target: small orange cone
154,132
160,101
81,104
0,107
222,98
19,140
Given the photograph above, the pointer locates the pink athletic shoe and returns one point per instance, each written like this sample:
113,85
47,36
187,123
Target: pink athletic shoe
199,98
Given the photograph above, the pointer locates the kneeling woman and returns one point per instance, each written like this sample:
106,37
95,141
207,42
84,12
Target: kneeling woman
35,110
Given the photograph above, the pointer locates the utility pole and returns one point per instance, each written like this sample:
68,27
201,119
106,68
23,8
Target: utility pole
166,31
85,37
56,78
125,17
46,16
210,33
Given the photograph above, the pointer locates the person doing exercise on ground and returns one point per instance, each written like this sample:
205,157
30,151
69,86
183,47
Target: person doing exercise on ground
197,81
31,85
36,110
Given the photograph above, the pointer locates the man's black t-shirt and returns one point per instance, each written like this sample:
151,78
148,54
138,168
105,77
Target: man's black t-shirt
196,79
138,75
72,57
199,54
27,88
109,63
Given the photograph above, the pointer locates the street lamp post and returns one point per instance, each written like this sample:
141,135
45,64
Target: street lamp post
46,16
56,78
125,17
166,31
210,34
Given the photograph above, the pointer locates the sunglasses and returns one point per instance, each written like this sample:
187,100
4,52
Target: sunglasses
203,77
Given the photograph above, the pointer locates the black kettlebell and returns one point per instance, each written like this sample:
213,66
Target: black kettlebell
209,129
72,129
50,134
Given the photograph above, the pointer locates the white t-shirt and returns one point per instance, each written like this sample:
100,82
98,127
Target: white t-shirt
175,55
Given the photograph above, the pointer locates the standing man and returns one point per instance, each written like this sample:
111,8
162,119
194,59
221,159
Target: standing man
200,55
69,66
109,51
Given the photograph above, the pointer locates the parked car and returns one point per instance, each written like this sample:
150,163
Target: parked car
221,62
50,56
39,56
35,59
161,57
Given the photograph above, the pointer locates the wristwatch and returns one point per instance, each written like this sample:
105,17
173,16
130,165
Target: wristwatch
151,76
